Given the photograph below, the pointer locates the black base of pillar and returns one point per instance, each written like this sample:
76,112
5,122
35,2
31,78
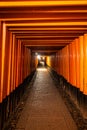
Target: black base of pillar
85,106
9,104
77,97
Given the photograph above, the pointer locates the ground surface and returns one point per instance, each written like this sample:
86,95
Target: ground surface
44,108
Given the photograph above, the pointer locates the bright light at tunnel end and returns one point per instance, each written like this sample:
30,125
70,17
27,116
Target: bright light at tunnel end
38,56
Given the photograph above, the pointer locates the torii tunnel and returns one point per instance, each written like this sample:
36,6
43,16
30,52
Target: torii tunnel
56,32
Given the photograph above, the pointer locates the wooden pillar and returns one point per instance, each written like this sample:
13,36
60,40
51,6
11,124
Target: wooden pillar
61,65
81,63
63,58
15,55
3,58
22,55
1,87
6,65
16,47
67,63
19,61
77,63
12,66
28,61
85,65
73,64
9,65
84,95
70,63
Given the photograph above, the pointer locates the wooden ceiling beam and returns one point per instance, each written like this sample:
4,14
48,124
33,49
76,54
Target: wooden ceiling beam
47,29
45,25
45,48
51,34
44,8
33,16
48,24
42,3
60,32
45,37
45,42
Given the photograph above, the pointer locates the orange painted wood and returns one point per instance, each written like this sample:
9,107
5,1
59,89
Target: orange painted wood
61,67
81,63
9,65
64,64
67,62
74,63
22,63
26,61
62,60
70,64
77,62
15,62
19,61
6,65
23,71
3,61
1,87
29,59
15,53
12,65
85,64
59,64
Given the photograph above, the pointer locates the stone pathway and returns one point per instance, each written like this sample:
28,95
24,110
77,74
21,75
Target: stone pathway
44,108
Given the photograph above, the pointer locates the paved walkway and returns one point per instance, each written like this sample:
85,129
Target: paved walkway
45,109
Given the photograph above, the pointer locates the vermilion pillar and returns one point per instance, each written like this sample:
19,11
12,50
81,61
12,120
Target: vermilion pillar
67,62
70,63
17,62
60,67
9,65
77,62
81,63
3,59
6,65
13,61
0,61
61,63
63,59
73,63
85,65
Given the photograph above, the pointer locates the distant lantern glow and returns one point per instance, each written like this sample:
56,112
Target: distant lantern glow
36,53
38,56
43,58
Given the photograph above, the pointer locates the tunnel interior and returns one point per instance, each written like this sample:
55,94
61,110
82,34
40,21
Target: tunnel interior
44,33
